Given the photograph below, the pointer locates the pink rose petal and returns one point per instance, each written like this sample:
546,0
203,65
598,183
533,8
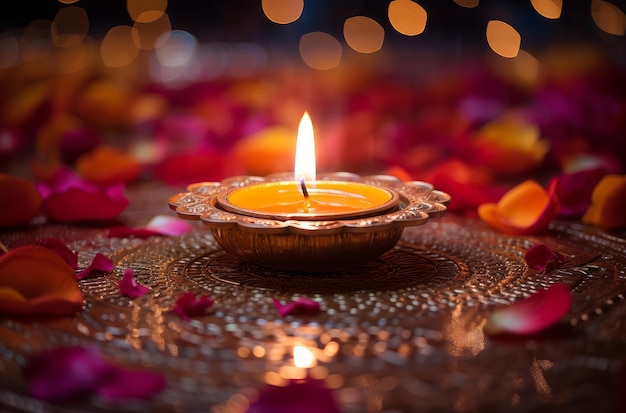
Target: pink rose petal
302,396
69,373
65,373
59,248
131,384
187,305
70,199
100,264
129,286
301,306
168,225
126,232
541,257
533,314
159,225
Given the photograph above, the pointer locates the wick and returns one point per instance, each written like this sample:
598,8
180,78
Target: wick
305,192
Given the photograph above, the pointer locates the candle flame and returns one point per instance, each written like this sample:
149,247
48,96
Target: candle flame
305,151
303,357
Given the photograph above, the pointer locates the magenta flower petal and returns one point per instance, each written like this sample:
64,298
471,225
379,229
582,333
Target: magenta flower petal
68,373
100,264
167,225
533,314
541,257
575,191
65,373
69,199
302,396
187,305
129,286
130,384
159,225
301,306
124,232
59,248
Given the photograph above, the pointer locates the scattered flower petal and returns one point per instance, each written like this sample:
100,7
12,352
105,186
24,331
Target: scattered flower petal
525,209
159,225
20,201
35,280
187,305
533,314
169,225
129,286
58,247
65,373
607,203
69,199
131,384
510,145
301,306
99,265
575,191
106,165
70,373
303,396
541,257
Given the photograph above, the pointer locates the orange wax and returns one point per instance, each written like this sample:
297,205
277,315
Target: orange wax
326,199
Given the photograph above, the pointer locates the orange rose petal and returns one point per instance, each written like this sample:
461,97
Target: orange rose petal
35,280
20,201
525,209
607,203
107,166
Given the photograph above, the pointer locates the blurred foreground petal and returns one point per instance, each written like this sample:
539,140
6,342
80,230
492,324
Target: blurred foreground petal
533,314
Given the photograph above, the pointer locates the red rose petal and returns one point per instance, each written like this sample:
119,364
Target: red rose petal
541,257
59,248
533,314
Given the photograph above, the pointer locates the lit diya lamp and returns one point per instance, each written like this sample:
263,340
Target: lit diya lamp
304,222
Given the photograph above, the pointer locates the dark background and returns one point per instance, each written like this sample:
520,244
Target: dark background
448,23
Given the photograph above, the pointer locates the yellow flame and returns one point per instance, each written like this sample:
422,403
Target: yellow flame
303,357
305,151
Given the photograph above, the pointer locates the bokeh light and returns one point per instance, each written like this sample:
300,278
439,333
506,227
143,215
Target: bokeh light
282,11
470,4
118,48
608,17
9,51
68,1
407,17
320,50
69,26
36,40
146,11
363,34
550,9
147,35
503,38
70,60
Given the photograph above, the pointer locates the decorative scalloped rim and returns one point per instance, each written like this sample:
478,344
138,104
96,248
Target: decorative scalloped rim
419,202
